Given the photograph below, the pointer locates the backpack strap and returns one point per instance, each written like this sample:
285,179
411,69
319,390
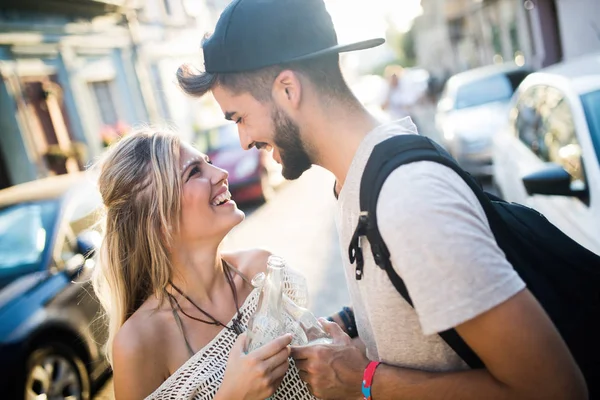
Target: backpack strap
385,158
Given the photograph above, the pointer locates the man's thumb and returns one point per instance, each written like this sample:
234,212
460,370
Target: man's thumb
334,330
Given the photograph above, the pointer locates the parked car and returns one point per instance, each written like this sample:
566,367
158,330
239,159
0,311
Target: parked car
50,326
472,108
253,174
548,156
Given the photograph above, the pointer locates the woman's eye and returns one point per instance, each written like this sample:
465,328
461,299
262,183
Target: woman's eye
194,171
238,121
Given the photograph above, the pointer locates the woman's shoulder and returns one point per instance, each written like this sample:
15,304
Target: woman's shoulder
141,337
250,261
142,331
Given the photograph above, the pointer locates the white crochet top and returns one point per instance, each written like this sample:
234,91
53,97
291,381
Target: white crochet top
201,376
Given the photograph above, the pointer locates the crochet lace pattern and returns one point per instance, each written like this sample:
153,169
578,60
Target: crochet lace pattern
201,376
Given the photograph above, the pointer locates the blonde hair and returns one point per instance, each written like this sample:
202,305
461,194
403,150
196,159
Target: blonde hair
141,189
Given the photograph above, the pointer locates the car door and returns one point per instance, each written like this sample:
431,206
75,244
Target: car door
552,136
517,149
563,147
78,299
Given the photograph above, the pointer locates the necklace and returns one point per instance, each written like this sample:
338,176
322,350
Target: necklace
236,324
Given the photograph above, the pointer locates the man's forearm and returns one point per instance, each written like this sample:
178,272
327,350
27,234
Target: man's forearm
403,383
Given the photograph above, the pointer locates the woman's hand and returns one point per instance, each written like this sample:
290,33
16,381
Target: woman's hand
255,375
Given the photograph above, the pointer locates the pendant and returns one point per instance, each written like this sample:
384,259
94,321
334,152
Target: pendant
237,327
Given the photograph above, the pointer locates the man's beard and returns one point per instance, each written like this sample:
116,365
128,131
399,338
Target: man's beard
294,157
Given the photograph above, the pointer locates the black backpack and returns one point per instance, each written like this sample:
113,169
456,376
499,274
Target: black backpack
561,274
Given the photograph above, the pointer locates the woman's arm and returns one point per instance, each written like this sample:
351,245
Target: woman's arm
137,370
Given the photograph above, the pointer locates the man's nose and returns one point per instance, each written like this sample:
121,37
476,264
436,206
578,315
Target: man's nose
245,140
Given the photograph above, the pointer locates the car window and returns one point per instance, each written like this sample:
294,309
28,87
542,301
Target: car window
67,248
560,138
528,122
516,77
86,203
25,231
82,214
483,91
591,106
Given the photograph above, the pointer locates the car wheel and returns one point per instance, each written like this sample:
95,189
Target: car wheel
265,185
56,372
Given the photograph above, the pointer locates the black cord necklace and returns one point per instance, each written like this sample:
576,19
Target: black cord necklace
236,324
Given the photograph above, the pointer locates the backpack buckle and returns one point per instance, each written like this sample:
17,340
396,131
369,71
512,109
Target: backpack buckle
355,249
377,256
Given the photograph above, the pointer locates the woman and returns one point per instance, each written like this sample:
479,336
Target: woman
176,305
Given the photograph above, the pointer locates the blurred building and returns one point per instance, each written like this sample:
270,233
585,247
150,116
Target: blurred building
455,35
169,33
578,25
67,73
432,38
76,73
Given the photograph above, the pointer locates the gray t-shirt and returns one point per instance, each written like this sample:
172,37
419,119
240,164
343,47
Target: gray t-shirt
442,247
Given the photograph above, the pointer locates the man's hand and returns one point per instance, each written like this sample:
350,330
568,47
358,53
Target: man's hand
332,371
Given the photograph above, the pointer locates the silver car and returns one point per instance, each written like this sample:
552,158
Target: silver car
548,156
472,108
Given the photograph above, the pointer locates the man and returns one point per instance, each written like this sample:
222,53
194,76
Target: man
273,67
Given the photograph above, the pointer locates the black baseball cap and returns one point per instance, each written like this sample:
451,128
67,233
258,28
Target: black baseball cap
253,34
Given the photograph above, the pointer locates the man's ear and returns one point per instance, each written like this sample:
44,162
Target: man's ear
287,90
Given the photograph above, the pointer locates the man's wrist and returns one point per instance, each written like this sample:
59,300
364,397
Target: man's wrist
347,315
368,378
346,320
379,378
356,379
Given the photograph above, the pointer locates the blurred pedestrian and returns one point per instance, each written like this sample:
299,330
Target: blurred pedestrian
273,67
401,97
177,305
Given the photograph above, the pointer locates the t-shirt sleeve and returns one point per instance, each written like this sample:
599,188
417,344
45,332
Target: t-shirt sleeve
442,247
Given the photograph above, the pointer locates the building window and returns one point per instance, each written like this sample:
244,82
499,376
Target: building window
160,92
168,9
514,37
105,99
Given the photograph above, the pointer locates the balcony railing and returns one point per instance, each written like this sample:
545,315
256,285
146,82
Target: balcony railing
69,7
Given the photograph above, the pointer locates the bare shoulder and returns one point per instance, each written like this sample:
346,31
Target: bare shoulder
139,368
249,262
140,331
